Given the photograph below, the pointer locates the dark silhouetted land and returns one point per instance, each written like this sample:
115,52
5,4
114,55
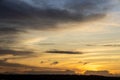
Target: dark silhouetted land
55,77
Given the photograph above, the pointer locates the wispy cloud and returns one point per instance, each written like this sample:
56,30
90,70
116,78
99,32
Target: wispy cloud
105,45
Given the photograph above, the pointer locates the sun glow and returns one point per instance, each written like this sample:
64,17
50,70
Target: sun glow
92,67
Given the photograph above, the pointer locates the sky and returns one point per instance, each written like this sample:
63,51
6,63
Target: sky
60,36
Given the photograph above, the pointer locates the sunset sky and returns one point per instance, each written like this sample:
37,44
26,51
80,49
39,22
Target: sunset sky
59,36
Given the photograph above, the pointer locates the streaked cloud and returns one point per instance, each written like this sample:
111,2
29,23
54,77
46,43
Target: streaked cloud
14,52
105,45
63,52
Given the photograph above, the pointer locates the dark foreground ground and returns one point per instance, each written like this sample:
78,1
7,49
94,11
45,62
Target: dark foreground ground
55,77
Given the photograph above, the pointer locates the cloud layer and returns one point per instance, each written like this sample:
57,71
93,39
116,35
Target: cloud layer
24,14
18,17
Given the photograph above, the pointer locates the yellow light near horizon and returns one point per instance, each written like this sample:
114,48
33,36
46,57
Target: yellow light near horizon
89,67
92,67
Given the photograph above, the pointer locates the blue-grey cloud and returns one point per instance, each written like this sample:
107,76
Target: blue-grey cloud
22,13
19,16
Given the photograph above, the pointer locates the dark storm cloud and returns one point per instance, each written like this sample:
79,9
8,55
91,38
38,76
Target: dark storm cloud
13,52
26,15
11,9
14,9
63,52
19,16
